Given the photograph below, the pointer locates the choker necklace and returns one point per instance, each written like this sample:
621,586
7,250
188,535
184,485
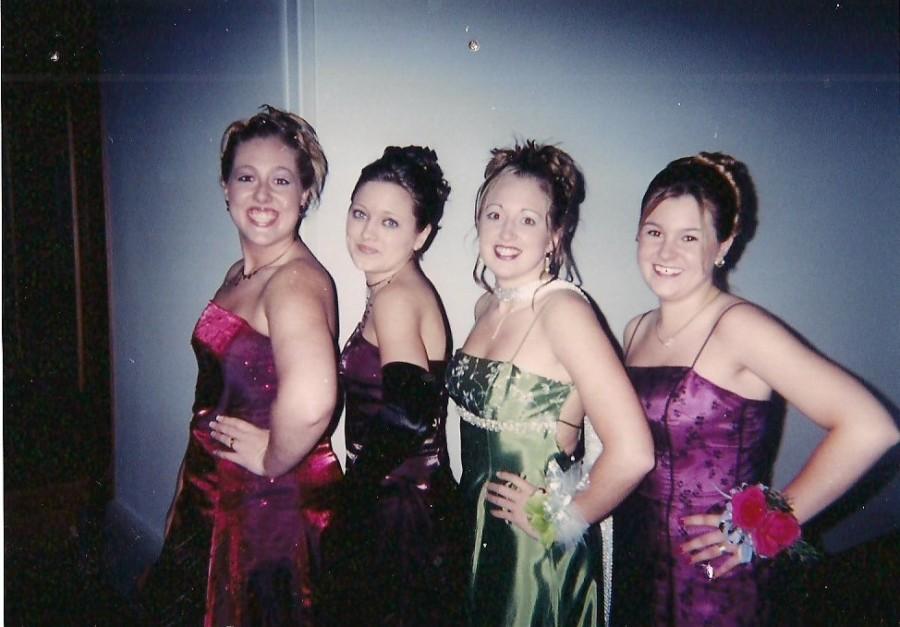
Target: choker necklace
385,281
520,293
671,339
242,276
370,289
513,295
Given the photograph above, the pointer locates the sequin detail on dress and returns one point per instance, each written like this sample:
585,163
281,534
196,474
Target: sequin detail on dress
242,549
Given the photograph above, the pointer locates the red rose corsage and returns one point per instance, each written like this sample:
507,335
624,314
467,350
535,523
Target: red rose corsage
759,521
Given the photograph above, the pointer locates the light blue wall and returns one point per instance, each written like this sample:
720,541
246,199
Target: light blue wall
806,97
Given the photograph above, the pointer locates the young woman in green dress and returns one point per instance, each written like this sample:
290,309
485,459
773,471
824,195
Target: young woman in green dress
535,363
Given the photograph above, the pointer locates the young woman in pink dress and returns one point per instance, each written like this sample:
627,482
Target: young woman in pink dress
254,490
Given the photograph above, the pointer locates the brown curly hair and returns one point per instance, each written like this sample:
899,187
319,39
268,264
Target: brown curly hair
557,174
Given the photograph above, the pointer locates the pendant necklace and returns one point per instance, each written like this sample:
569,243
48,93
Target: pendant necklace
671,339
513,295
242,276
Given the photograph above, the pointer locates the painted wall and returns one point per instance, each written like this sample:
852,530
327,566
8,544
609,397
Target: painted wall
805,94
175,74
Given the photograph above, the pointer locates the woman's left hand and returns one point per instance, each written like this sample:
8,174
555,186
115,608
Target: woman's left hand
247,442
709,546
511,497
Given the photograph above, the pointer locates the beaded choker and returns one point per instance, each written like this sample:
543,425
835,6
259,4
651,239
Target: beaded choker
520,293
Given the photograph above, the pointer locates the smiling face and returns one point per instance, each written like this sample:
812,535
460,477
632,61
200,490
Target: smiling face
513,229
381,229
264,192
677,248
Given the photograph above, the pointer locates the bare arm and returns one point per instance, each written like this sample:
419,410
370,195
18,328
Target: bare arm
860,430
612,406
409,391
628,333
396,316
299,306
609,401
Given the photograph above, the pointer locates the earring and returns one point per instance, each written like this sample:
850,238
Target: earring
227,206
719,263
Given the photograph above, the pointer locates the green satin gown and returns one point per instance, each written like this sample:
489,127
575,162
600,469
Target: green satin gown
509,423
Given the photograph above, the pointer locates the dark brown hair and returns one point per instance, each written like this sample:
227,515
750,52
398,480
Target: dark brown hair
415,169
722,186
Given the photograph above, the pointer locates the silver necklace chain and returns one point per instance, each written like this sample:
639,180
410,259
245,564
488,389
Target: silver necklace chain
671,339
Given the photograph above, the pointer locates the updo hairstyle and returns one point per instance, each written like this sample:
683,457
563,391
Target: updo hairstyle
722,186
294,132
558,176
416,170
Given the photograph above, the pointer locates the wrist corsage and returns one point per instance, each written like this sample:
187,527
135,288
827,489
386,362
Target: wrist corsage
759,521
551,511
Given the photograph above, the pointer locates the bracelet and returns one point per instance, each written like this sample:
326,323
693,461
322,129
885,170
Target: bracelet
760,521
552,512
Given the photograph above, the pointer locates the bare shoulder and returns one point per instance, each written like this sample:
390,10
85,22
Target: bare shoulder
303,274
742,320
233,270
565,312
300,287
400,297
562,301
632,325
752,333
482,304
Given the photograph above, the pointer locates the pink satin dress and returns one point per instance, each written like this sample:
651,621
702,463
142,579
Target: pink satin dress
242,549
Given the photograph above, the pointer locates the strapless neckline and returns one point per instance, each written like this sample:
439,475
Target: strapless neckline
236,317
461,352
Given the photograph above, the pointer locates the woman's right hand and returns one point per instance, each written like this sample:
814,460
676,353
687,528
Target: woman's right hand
247,442
511,497
709,546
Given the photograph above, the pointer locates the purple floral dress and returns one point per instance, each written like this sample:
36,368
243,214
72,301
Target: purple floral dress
708,440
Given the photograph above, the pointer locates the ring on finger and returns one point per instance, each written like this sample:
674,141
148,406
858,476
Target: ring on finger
231,443
722,549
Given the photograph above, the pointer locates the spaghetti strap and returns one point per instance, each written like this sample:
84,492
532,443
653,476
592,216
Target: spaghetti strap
713,329
633,333
555,285
527,333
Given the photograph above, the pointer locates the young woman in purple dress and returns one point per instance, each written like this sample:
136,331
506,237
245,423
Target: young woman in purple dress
705,364
393,553
242,538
